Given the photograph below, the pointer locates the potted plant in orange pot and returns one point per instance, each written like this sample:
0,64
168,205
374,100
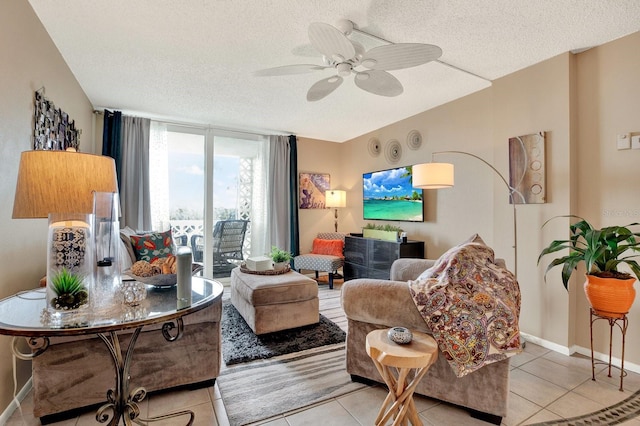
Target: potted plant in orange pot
609,291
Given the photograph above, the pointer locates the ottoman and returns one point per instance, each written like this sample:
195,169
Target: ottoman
271,303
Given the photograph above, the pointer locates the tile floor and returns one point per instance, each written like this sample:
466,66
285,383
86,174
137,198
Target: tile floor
545,386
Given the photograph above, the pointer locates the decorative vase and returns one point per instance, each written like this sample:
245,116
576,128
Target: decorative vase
610,297
106,207
400,335
70,263
279,266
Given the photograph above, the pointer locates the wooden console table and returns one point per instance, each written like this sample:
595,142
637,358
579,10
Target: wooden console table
20,316
372,258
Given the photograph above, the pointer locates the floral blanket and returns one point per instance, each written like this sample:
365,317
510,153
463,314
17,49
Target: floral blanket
472,307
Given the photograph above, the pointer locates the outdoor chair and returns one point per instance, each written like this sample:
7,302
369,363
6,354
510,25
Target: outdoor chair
228,240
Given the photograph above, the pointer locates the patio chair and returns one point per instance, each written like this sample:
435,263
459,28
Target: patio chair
228,239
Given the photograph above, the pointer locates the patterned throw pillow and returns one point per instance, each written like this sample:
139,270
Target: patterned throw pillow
152,246
330,247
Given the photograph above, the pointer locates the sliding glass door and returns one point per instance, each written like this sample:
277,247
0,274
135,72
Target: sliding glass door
209,186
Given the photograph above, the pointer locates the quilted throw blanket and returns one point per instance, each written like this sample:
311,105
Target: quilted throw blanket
472,307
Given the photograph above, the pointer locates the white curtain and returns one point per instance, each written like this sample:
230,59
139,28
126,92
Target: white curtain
134,191
279,194
159,176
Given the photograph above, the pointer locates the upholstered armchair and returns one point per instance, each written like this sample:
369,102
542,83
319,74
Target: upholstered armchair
327,255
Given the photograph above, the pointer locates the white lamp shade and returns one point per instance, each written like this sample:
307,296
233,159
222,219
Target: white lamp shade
433,175
336,198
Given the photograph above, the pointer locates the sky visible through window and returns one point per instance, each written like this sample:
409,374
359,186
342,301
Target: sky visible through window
186,176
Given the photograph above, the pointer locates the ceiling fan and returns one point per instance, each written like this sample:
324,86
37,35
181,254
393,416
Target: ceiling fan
369,68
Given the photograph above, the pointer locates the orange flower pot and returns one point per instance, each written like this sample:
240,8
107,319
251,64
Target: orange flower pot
610,297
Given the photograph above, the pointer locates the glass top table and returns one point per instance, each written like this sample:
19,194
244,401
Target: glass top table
24,315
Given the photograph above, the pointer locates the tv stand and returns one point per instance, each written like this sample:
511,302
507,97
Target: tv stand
372,258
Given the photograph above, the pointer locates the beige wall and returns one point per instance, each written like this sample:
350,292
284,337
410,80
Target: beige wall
608,92
29,61
581,102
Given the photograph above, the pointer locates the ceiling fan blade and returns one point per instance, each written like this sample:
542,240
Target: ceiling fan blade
379,83
324,87
331,42
289,70
399,56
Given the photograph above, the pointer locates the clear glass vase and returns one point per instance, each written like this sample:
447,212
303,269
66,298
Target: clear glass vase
70,263
106,208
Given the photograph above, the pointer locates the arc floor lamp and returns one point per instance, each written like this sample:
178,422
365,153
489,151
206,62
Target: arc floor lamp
441,175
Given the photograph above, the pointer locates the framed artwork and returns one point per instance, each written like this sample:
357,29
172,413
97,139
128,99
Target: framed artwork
312,188
527,169
53,129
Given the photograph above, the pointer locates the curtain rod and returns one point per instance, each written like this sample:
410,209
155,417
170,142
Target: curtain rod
198,125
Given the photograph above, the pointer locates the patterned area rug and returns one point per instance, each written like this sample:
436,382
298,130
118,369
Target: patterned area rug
264,388
239,344
616,414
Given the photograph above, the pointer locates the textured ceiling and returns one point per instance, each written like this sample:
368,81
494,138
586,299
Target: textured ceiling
192,60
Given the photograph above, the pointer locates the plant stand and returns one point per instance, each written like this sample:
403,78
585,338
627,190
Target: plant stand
613,320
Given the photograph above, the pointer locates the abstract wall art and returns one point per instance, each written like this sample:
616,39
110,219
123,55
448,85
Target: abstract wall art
527,168
312,188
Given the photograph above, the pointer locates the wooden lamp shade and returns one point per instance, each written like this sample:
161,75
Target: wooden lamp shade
61,182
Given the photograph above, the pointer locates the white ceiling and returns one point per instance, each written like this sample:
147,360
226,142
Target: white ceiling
192,60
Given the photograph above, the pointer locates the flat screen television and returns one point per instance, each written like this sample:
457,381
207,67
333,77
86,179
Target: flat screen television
389,195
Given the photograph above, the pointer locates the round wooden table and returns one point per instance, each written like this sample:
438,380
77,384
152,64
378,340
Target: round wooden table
395,362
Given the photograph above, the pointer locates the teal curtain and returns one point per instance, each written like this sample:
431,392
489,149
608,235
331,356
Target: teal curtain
112,140
293,199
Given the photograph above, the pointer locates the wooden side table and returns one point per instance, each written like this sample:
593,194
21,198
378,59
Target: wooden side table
612,320
395,363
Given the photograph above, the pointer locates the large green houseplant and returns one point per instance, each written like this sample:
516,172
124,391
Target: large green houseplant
602,251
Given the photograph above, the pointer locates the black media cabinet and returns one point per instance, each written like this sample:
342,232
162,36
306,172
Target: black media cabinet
372,258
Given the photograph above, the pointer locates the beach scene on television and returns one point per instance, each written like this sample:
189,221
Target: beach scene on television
389,195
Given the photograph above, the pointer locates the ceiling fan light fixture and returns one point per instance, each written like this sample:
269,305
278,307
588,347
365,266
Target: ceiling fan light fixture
344,69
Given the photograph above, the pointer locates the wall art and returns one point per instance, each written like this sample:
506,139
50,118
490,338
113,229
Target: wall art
312,188
527,168
53,129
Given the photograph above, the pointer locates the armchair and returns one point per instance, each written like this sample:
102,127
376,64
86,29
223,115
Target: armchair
371,304
327,255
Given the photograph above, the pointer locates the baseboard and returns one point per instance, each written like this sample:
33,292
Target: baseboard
13,406
564,350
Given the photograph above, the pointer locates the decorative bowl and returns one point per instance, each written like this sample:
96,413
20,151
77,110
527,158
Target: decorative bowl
400,335
160,280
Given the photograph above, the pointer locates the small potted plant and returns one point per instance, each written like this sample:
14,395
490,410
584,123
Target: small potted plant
68,291
280,258
609,291
381,232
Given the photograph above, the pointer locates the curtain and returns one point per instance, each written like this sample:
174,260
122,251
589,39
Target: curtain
159,176
112,140
293,195
278,188
134,193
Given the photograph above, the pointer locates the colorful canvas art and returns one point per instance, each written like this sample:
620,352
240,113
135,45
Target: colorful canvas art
527,169
312,188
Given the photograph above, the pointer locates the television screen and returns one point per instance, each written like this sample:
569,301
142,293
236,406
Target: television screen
389,195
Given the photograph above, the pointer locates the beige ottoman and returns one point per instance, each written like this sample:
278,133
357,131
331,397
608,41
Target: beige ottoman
271,303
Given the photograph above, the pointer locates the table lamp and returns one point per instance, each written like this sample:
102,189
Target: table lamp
335,198
60,185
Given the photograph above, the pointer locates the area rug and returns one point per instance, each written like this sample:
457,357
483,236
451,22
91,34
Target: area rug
264,388
239,344
624,410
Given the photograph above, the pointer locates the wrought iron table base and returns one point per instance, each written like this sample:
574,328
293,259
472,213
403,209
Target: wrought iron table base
623,328
121,403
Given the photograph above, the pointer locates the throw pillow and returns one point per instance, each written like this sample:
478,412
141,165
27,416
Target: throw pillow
329,247
152,246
